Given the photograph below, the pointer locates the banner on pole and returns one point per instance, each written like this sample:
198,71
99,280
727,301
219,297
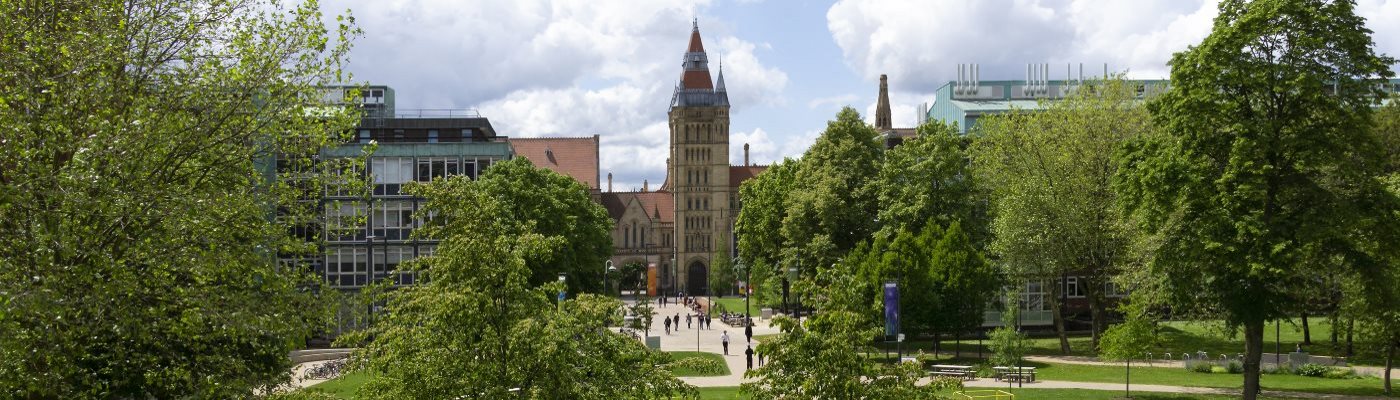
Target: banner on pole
891,309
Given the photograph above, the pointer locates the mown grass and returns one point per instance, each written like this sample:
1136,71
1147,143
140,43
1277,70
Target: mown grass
732,392
677,355
1179,337
344,386
735,305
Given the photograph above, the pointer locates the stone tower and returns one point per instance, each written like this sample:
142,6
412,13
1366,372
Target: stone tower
882,106
698,174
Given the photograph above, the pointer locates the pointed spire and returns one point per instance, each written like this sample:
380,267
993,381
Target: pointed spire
719,82
882,106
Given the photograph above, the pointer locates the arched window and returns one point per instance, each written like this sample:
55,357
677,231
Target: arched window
626,236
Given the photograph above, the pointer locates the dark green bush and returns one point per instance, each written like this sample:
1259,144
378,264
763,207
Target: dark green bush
1202,367
1313,370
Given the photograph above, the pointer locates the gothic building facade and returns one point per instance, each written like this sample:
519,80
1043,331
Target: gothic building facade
679,228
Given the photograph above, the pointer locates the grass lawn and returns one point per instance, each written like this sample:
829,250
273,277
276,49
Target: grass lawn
736,304
1184,336
1182,377
676,355
343,387
727,393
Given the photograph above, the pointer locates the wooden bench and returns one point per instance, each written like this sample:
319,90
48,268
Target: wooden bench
1022,374
961,371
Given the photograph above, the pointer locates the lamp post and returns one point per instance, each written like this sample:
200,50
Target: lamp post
739,264
673,271
563,278
796,304
609,269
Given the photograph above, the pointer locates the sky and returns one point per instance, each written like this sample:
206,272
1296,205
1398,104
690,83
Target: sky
579,68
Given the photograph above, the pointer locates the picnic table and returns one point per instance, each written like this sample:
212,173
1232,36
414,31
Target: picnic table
960,371
1017,373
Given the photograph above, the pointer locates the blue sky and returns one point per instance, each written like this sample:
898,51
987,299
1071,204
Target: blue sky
577,68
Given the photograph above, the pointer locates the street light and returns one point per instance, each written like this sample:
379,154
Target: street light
739,263
610,269
796,306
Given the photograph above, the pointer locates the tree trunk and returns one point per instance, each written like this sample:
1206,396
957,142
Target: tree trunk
1056,307
1389,360
1094,291
1253,350
937,343
1307,333
1351,325
1334,326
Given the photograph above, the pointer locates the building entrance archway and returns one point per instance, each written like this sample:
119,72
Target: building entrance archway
696,279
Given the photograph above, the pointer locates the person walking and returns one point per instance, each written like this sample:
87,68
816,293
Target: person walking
709,322
677,321
687,321
760,358
748,330
667,322
724,340
748,354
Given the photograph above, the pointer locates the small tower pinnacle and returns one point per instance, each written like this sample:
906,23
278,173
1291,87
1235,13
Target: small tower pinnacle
882,106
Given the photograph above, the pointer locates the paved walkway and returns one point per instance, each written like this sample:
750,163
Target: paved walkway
708,340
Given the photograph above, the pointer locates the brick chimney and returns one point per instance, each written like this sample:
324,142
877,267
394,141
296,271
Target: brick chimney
609,181
746,154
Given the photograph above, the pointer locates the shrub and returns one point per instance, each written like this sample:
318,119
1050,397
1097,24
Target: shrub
1234,367
701,365
1271,369
1216,369
1313,370
986,371
1202,367
1339,373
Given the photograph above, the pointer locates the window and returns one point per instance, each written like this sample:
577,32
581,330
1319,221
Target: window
437,167
344,222
345,266
432,136
1072,288
1111,289
1033,298
341,172
393,220
388,258
364,136
390,173
626,236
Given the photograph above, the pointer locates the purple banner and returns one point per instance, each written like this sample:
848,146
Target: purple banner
891,309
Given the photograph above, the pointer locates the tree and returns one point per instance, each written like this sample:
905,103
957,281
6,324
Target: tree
479,328
822,357
138,253
1128,340
722,274
759,225
561,207
831,206
944,282
1265,163
1008,344
1049,173
928,179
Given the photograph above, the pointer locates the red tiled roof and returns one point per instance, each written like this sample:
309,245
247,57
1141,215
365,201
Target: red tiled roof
740,173
695,46
658,205
696,79
576,157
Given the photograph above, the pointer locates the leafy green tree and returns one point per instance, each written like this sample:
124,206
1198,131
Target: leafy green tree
723,278
831,206
944,282
479,328
823,356
559,206
1049,173
137,248
928,179
1007,343
1266,163
759,226
1129,340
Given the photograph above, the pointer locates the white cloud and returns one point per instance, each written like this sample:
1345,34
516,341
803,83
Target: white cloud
747,80
832,101
920,43
903,109
541,68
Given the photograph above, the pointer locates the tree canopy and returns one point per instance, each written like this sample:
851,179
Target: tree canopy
558,206
138,248
1264,164
479,327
